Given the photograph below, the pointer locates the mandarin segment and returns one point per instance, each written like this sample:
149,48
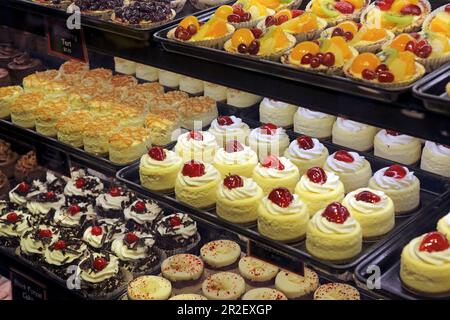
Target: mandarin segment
374,34
399,43
363,61
217,29
398,5
285,12
342,44
358,4
303,48
244,36
348,26
272,4
186,22
224,11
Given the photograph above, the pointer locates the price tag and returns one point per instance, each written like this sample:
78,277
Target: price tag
274,257
26,288
64,42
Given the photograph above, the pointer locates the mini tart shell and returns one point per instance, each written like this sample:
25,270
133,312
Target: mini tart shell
302,36
407,29
429,18
144,24
420,71
322,69
254,22
275,56
210,43
355,16
371,47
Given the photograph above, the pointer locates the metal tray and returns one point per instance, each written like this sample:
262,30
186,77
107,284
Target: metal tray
387,258
431,90
432,188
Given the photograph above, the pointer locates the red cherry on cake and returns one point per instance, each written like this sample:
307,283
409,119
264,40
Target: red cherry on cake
272,162
45,233
395,171
344,7
50,195
59,245
434,242
269,128
115,192
343,156
411,9
131,237
175,221
233,146
368,196
12,217
195,135
80,183
225,121
100,264
139,206
393,133
233,182
282,197
305,142
74,209
157,153
96,231
193,169
317,175
23,187
336,212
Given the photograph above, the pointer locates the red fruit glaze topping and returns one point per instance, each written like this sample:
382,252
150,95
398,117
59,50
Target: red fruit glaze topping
344,7
139,206
396,171
282,197
100,264
434,242
115,192
336,212
59,245
197,136
233,182
23,187
45,233
225,121
233,146
393,133
96,231
80,183
343,156
12,217
269,128
74,209
193,169
305,142
157,153
317,175
175,221
130,238
368,196
272,162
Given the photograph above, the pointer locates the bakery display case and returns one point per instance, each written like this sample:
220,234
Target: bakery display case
182,145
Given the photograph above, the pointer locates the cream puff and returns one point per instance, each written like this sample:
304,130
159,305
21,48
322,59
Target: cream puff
312,123
229,128
277,112
268,139
197,145
352,134
397,147
436,158
306,152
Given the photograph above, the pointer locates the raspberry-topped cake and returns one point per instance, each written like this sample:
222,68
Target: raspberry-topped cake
400,184
333,234
425,264
273,172
229,128
282,216
335,11
353,170
398,147
196,184
436,158
306,152
235,158
318,187
268,139
111,204
197,145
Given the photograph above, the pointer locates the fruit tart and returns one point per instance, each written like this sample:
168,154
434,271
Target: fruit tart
388,69
58,4
100,9
143,14
328,55
279,5
335,11
252,43
244,13
431,49
438,21
396,15
213,33
302,25
362,38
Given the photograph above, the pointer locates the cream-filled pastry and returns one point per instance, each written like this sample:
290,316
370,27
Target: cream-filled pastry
353,170
352,134
228,128
282,216
436,158
268,139
397,147
197,145
317,188
274,172
235,158
400,184
306,152
277,112
373,209
313,123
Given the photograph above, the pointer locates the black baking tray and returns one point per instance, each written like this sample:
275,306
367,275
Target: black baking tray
433,187
105,25
431,90
387,258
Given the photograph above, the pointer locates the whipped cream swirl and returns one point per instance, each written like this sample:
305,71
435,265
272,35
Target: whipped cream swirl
386,182
64,218
187,144
392,139
108,202
331,184
15,229
38,207
151,213
289,168
21,199
350,125
172,159
342,166
295,151
31,242
310,114
437,148
93,187
93,276
235,158
322,224
259,134
186,229
211,174
63,257
237,125
294,207
366,207
133,252
248,190
436,258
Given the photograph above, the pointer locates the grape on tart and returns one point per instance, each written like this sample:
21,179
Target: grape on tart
335,11
279,5
244,13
